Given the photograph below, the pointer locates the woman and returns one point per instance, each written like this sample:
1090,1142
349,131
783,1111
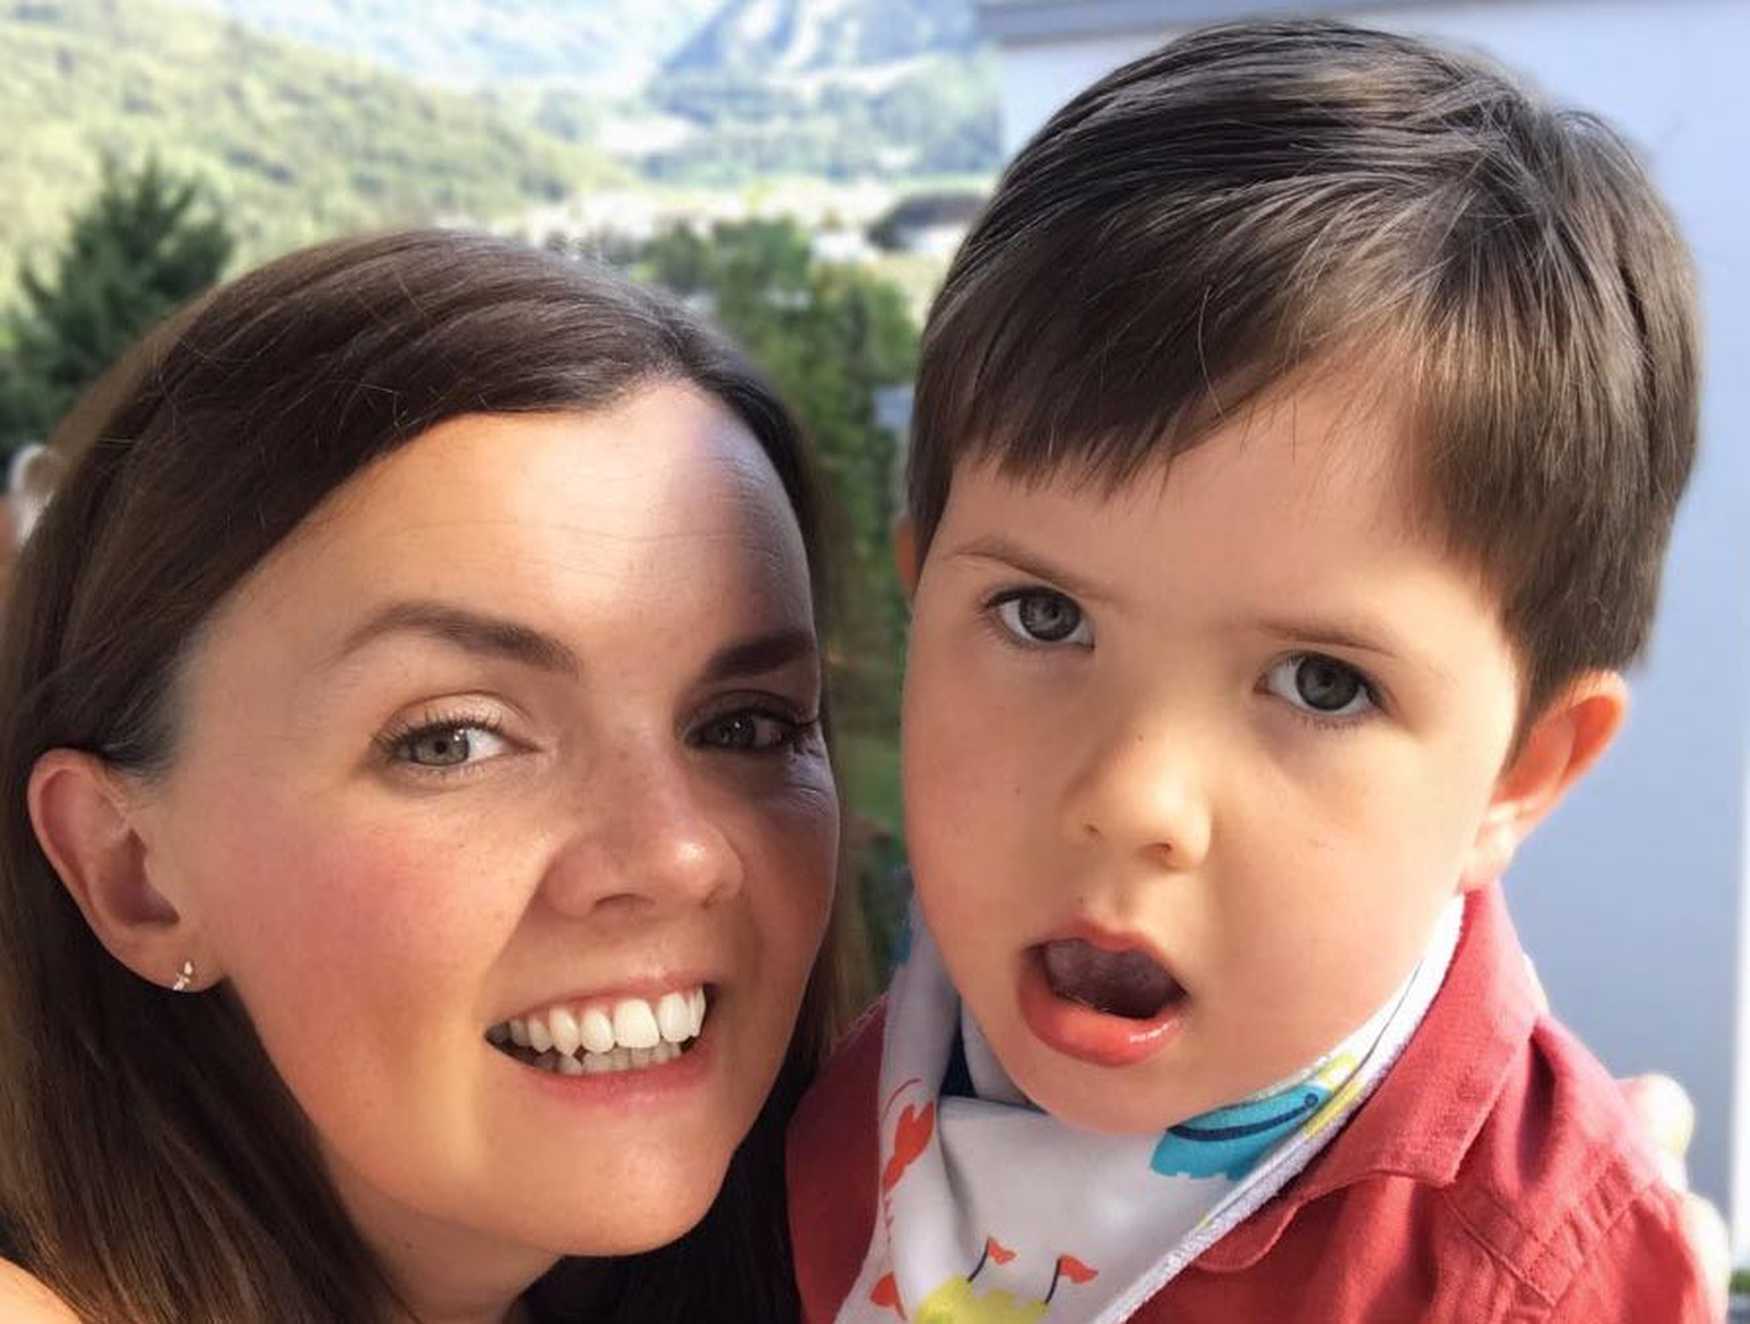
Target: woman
419,831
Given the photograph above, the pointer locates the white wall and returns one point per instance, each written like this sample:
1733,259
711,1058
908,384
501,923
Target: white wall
1631,900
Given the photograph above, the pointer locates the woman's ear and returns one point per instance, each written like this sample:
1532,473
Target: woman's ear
1560,747
86,817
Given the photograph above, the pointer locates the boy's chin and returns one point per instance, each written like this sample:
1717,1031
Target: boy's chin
1105,1100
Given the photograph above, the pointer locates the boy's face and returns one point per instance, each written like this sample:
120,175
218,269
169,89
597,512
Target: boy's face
1210,755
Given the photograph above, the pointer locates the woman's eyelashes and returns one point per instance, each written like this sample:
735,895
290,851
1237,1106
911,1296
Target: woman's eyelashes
1323,689
754,729
1041,617
445,744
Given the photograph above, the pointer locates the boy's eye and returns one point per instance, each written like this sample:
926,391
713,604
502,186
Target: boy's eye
1044,616
450,745
748,730
1320,685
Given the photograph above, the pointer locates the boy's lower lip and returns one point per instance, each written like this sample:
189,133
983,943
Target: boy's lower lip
1096,1037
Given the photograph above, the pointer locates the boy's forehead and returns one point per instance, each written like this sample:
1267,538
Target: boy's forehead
1325,448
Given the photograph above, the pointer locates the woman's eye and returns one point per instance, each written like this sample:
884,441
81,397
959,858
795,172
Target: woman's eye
449,746
1043,616
749,731
1321,685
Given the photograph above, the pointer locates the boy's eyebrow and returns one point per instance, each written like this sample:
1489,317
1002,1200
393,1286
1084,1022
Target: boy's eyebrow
995,547
1357,636
1330,634
469,630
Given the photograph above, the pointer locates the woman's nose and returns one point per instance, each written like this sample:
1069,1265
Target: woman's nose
647,840
1139,791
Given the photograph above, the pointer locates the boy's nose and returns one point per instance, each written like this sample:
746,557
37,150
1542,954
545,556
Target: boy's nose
646,841
1138,792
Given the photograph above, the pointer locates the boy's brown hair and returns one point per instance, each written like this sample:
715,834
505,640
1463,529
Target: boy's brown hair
1255,201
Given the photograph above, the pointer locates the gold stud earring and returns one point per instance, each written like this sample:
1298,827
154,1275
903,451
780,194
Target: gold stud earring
184,979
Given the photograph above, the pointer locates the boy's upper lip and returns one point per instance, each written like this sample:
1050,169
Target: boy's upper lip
1106,939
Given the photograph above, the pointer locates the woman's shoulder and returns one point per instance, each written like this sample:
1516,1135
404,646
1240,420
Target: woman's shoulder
24,1300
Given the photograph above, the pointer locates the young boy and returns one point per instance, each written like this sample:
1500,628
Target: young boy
1298,440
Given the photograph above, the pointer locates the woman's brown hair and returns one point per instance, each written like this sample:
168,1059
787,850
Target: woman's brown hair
153,1166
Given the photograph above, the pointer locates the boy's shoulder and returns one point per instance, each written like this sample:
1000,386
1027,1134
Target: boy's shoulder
1497,1174
833,1162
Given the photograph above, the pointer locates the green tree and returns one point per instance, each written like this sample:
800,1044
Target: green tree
137,251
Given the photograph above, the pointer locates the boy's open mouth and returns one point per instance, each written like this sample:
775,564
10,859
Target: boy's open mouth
1128,983
1103,999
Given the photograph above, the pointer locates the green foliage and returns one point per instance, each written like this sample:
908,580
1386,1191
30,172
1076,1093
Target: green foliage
293,144
137,251
884,891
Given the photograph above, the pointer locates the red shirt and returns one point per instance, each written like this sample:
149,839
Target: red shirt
1496,1174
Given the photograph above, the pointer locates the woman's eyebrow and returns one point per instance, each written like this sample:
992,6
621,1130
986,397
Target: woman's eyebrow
469,630
761,653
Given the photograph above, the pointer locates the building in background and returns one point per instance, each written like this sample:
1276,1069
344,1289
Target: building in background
1632,901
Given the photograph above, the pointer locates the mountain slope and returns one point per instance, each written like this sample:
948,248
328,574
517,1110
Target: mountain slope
764,37
841,88
613,44
293,143
735,91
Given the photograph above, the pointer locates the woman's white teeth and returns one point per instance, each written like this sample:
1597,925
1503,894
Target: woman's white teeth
597,1031
674,1017
562,1025
540,1037
632,1035
635,1024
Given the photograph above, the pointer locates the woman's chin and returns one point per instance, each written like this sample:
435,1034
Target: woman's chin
641,1218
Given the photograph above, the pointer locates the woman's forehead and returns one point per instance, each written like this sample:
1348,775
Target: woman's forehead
660,517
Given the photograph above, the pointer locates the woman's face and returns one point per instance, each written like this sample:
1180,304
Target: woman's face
520,726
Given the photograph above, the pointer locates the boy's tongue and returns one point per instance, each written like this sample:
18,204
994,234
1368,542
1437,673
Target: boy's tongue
1128,983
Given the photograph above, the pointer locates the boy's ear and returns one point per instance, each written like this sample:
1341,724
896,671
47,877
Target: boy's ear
87,822
1562,744
905,554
